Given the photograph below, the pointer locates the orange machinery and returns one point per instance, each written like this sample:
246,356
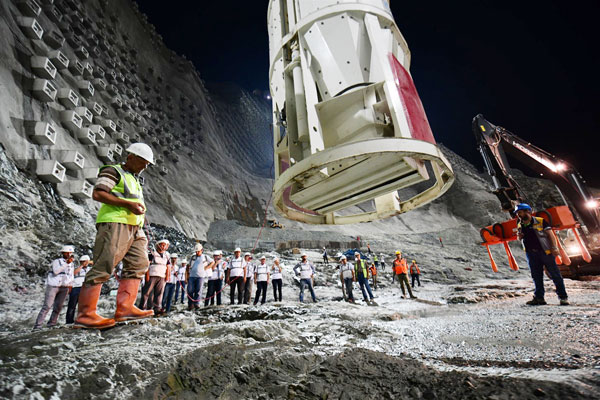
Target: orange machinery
559,218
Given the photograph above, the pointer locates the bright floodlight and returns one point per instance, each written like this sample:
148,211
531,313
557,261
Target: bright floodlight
349,127
591,204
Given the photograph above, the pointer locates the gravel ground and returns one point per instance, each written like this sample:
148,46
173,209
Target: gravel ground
491,346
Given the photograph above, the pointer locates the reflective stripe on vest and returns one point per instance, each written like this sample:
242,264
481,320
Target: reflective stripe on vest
262,272
128,188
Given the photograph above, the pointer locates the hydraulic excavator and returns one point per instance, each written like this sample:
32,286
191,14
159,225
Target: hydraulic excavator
576,223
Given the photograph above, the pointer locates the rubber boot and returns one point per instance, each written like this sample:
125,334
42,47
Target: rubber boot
126,295
86,311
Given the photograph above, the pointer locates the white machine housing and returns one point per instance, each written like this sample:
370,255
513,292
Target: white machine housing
349,126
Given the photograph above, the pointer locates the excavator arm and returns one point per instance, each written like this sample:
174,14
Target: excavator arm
495,143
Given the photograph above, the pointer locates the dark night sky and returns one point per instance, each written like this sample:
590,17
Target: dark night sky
529,66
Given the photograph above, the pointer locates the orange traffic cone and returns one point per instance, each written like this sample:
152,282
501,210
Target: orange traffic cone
494,266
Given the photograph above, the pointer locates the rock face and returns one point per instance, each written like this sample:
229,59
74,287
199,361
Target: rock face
150,93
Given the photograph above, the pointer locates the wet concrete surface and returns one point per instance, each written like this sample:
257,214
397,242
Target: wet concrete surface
493,347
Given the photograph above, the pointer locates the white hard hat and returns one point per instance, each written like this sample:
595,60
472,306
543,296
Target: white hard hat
304,255
247,254
67,249
356,253
141,150
84,258
343,258
163,241
263,258
237,249
217,253
184,261
198,247
174,255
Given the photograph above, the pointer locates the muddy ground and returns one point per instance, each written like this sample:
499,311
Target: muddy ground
456,341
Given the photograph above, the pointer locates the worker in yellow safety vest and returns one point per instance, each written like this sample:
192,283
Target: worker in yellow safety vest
541,247
120,237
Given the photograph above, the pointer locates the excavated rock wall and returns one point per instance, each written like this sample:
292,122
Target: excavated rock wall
150,93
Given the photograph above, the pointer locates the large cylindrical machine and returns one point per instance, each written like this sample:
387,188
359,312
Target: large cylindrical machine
349,127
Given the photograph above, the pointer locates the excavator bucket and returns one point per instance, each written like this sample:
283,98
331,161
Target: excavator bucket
350,130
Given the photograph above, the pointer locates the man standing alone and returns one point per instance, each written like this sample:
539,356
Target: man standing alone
120,237
541,247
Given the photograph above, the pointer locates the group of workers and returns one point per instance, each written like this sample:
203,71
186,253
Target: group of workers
168,281
166,278
120,239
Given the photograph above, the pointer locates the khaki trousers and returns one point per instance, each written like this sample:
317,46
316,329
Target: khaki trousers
114,243
404,281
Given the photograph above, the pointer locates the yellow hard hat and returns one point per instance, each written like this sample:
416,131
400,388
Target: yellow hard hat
398,252
414,261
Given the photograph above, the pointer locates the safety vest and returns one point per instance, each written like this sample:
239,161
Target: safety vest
414,269
217,271
375,258
236,267
306,270
276,274
346,270
400,266
128,188
262,272
538,227
362,266
373,270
